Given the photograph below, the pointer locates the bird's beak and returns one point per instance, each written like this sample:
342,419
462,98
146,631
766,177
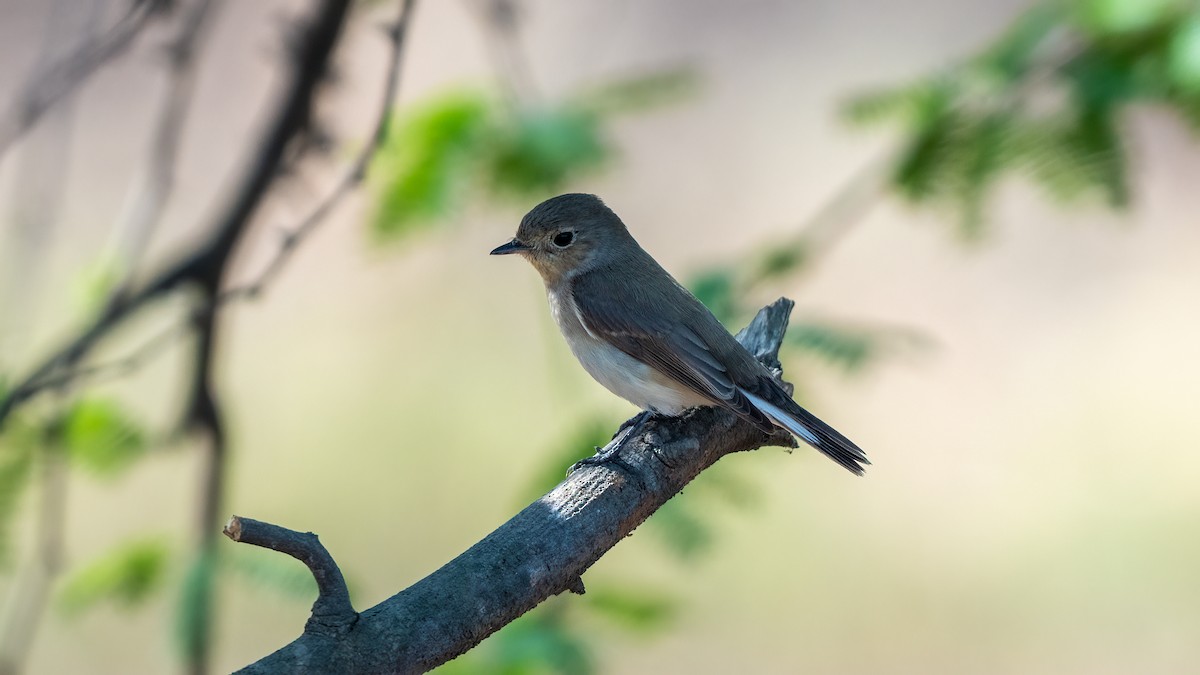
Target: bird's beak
513,246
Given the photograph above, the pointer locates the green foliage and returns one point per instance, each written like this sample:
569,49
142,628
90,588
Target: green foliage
467,141
16,463
849,347
717,289
125,577
282,574
1044,101
1183,64
586,436
96,282
641,93
637,610
425,166
101,437
193,607
1124,17
543,149
539,643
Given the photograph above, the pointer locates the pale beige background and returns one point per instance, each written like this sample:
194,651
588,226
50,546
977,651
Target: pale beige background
1033,505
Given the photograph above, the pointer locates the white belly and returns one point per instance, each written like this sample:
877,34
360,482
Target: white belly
620,373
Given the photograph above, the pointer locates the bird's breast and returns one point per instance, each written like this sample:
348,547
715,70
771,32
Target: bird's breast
619,372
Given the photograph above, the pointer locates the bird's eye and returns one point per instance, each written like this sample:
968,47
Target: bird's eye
563,239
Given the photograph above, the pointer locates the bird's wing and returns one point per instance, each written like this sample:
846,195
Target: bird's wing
654,333
658,325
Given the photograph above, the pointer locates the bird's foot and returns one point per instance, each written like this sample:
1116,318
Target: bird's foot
640,418
611,453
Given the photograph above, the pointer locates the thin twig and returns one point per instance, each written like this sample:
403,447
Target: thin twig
123,366
60,79
332,612
154,185
831,222
353,177
208,267
56,370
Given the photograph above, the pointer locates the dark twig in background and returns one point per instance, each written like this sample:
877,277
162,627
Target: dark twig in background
60,369
206,269
544,549
60,79
354,175
153,187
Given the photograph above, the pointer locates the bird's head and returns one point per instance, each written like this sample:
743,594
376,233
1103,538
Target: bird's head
568,234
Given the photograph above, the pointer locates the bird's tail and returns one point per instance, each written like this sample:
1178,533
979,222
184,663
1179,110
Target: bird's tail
805,426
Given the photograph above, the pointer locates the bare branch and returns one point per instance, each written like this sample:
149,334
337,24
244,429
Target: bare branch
332,612
59,368
61,79
544,549
354,175
206,269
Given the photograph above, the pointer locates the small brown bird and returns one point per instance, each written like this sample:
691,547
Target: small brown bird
645,337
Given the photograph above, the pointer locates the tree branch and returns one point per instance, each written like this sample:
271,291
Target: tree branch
544,549
332,612
353,177
206,269
58,369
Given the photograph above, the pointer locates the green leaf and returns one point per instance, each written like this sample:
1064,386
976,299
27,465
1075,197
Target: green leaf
101,437
849,347
546,148
194,607
16,462
282,574
126,577
1116,17
986,146
1184,59
585,437
715,288
96,282
422,171
780,261
1075,154
1013,54
684,531
538,643
640,611
641,92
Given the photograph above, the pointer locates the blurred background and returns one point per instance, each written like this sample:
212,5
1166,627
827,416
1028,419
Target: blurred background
986,212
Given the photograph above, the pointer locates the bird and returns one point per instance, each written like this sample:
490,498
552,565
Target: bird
643,336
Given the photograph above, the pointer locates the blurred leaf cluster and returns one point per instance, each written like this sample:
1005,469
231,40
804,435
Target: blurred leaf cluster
99,437
127,576
454,145
1046,101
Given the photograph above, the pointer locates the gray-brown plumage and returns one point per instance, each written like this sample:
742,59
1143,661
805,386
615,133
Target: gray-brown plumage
644,336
